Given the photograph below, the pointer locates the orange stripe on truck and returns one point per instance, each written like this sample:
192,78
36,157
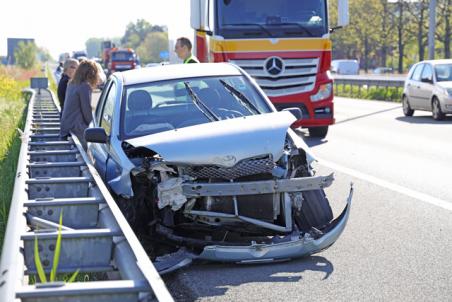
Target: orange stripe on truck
259,45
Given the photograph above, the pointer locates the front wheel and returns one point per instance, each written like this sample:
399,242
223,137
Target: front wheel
437,113
315,211
407,111
320,132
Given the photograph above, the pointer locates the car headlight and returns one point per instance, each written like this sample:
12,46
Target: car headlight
323,93
449,91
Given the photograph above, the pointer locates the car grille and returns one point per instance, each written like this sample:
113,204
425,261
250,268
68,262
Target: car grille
297,76
243,168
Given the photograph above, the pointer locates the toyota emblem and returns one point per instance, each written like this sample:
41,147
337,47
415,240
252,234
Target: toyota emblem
274,66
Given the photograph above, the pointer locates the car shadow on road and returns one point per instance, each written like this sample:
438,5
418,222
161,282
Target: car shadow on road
424,119
217,279
309,140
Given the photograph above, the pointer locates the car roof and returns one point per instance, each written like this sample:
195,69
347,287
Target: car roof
436,62
177,71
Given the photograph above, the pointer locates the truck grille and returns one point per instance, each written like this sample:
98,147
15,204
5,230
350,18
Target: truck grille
304,110
278,77
243,168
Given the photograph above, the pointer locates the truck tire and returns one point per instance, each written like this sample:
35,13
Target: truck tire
315,211
318,131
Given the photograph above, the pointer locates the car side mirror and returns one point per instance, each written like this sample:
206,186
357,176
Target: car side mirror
96,135
426,80
295,111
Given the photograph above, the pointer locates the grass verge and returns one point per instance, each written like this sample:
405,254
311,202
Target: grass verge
392,94
12,116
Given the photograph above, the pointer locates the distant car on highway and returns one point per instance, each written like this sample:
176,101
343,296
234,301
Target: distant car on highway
345,67
156,64
78,55
428,87
382,70
152,64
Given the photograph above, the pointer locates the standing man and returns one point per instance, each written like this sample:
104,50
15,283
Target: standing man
69,68
183,50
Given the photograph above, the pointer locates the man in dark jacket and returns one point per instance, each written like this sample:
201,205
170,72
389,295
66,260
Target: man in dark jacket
183,50
69,68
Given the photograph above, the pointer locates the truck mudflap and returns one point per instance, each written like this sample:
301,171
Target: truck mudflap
291,246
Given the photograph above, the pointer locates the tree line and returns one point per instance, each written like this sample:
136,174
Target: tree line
391,33
28,55
146,39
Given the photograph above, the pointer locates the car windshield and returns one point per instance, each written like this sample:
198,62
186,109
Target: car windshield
443,72
160,106
271,18
122,56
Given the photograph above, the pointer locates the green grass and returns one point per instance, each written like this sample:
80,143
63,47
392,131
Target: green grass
12,116
393,94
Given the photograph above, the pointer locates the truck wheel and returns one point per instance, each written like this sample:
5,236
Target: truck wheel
318,131
315,211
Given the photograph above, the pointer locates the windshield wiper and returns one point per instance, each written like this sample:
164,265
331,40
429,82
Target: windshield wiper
198,103
252,24
303,28
242,98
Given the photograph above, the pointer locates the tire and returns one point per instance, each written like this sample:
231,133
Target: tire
320,132
135,212
315,211
437,113
407,111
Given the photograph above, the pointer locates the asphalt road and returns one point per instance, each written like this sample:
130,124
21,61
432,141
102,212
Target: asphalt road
398,242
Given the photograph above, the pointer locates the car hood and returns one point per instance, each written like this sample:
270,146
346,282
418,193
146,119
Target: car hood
446,84
221,143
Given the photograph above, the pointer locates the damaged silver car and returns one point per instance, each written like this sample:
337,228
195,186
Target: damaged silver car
204,167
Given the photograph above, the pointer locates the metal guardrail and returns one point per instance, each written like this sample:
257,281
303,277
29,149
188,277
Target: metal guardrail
55,176
365,82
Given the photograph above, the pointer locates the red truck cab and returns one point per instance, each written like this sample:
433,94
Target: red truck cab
121,59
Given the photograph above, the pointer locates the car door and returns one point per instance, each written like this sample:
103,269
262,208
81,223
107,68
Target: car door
414,86
104,112
426,87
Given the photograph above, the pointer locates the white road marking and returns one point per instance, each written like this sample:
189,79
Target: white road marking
383,183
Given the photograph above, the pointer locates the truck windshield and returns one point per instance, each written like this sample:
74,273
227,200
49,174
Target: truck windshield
271,18
122,56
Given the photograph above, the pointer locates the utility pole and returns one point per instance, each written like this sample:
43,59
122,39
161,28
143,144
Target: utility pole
431,30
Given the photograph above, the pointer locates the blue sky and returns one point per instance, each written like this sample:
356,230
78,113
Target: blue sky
64,26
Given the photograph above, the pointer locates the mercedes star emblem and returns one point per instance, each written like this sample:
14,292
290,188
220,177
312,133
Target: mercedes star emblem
274,66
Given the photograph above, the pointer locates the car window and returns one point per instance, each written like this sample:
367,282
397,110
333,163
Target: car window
443,72
417,73
427,72
107,112
167,105
101,102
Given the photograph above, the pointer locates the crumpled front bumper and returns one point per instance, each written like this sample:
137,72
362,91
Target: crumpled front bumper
292,248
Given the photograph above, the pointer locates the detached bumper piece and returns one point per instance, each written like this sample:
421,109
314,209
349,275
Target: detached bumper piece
294,245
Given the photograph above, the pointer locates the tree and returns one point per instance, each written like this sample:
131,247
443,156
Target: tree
444,28
25,54
137,32
154,43
418,12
